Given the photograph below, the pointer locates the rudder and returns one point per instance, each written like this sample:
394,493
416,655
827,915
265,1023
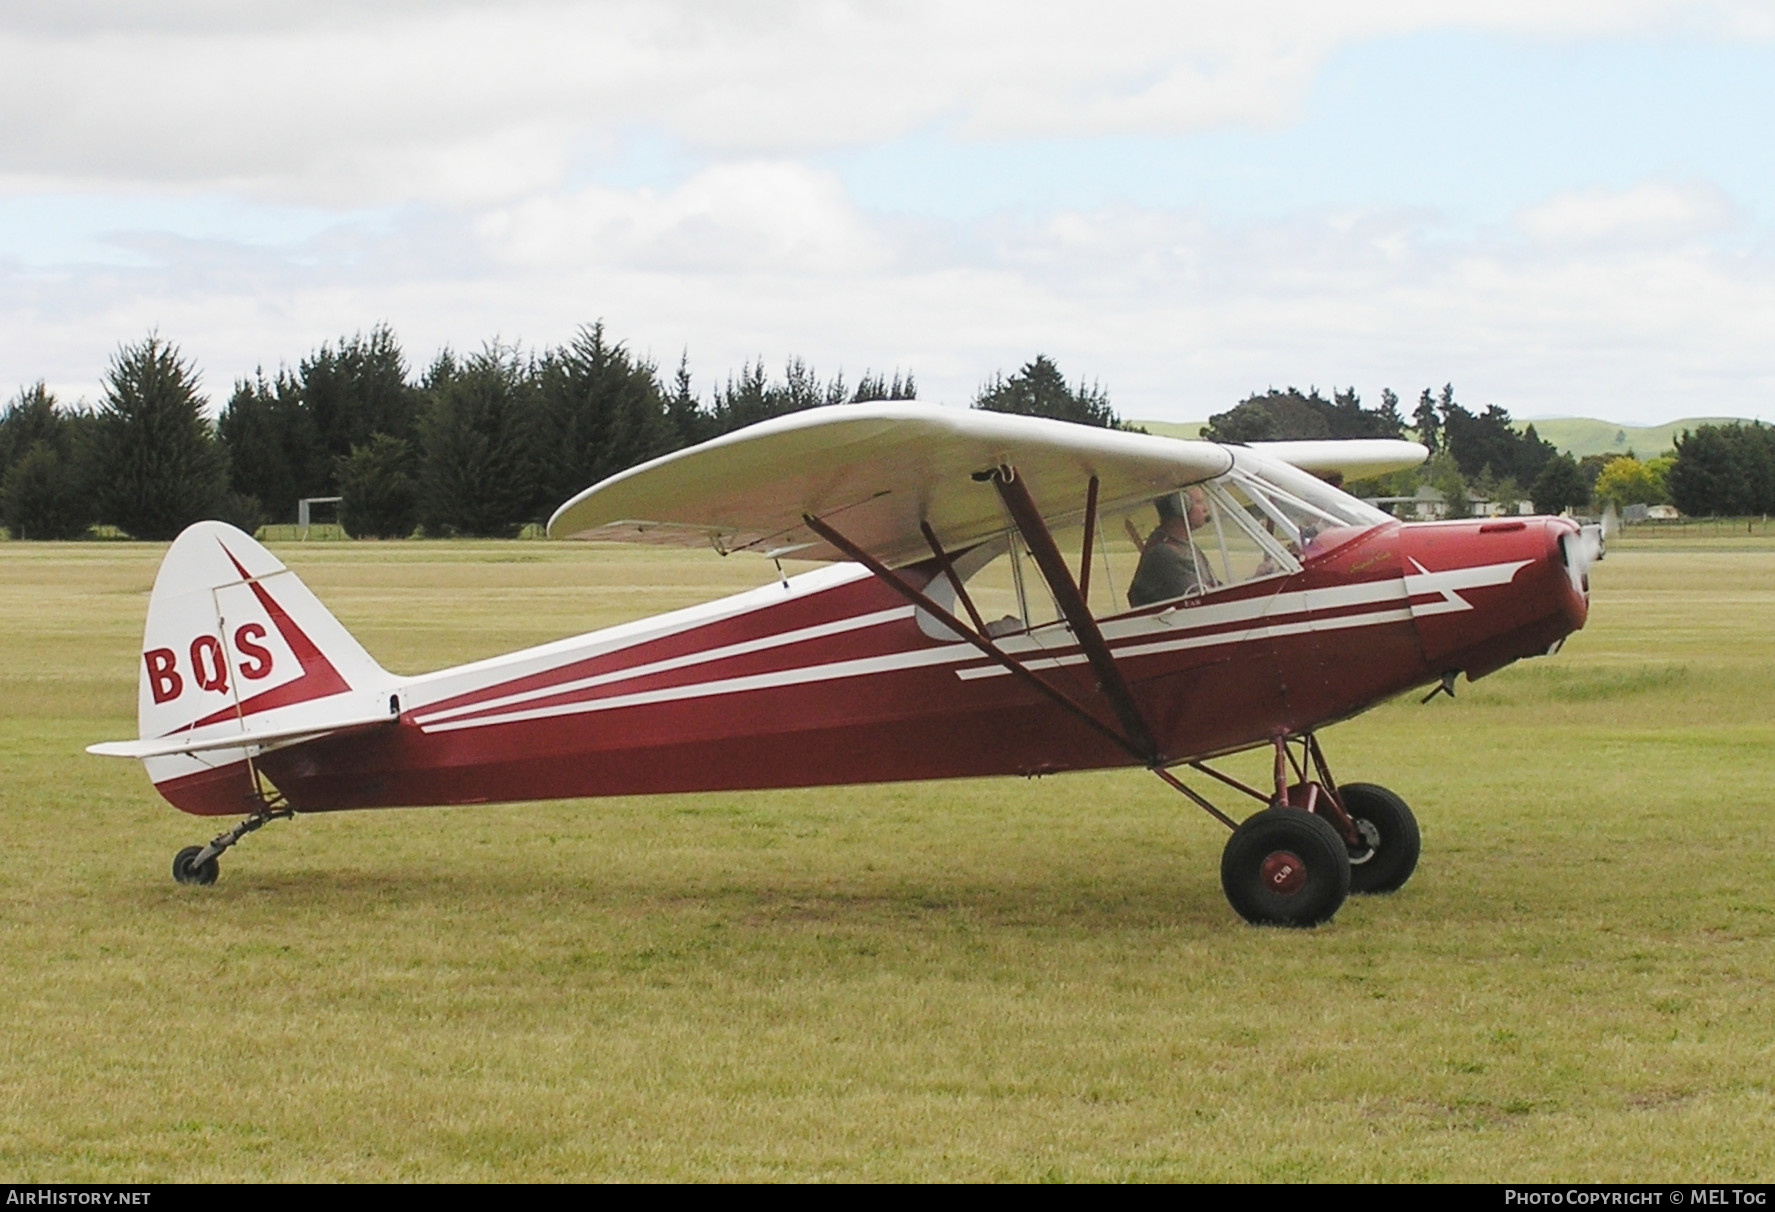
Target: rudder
236,643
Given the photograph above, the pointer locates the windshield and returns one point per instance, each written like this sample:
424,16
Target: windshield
1308,515
1308,489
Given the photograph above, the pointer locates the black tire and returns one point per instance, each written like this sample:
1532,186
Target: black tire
1285,867
187,871
1391,831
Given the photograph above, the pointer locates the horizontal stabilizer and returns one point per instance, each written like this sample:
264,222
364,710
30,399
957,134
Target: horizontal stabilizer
262,738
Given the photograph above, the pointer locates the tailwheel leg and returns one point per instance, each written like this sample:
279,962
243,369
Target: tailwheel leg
199,865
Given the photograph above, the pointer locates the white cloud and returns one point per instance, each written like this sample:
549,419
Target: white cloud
442,151
1178,314
1648,213
781,217
362,104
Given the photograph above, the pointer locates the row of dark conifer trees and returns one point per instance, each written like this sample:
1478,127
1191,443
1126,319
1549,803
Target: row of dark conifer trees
1716,470
477,444
485,443
1479,451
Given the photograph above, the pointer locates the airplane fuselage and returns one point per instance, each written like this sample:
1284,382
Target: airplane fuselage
834,678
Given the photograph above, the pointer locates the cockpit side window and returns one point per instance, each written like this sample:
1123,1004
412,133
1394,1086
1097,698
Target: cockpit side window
1246,525
1004,584
1206,539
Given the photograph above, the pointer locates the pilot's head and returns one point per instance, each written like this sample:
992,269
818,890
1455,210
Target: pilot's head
1178,509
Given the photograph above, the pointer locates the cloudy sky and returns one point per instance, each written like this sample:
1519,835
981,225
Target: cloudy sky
1564,208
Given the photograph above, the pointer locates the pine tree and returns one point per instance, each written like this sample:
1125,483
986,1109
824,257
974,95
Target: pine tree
874,386
752,397
1560,486
801,389
355,390
746,400
42,497
871,387
30,417
158,464
1425,421
1391,419
379,494
1489,440
45,490
602,411
690,423
836,391
1040,390
483,474
274,454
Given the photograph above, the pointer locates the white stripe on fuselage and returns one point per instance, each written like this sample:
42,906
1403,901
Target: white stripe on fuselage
860,667
799,635
1392,595
427,691
1199,619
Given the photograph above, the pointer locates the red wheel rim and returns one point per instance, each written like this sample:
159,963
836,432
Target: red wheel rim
1283,873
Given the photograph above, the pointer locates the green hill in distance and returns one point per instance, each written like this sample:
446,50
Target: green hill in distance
1577,436
1580,436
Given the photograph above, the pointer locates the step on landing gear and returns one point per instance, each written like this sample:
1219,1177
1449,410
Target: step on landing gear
1295,862
198,864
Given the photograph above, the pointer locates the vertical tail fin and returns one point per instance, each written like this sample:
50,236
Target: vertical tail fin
237,645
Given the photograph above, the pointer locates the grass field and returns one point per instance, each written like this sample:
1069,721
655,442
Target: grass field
978,980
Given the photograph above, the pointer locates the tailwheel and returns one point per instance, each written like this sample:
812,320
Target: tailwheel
187,870
197,864
1390,835
1285,867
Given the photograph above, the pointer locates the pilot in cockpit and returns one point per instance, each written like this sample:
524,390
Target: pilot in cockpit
1171,565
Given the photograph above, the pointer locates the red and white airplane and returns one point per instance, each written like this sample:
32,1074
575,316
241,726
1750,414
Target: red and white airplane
1001,595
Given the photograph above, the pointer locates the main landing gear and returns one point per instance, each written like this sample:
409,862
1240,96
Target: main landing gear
1295,862
198,864
1290,865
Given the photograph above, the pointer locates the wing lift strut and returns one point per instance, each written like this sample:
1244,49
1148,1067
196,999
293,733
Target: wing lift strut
1128,729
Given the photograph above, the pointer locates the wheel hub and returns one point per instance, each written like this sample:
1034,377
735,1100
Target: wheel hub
1283,872
1371,841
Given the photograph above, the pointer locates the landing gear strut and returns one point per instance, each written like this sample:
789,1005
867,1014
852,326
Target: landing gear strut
1290,865
1314,843
198,865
